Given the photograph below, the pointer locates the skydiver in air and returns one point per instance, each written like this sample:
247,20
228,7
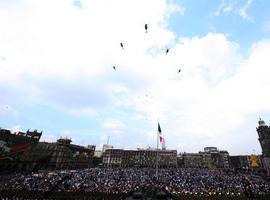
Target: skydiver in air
145,27
122,46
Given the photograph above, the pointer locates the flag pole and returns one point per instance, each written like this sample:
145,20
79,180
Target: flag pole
157,155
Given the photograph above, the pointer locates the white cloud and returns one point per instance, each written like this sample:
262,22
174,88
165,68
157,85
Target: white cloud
46,137
266,27
16,129
113,125
196,110
62,56
229,6
243,10
58,54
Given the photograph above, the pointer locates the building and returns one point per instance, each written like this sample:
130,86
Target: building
207,161
135,158
240,162
97,160
92,149
192,160
16,148
112,157
140,158
98,154
180,161
263,131
246,162
167,158
224,161
211,157
147,158
105,147
210,149
62,155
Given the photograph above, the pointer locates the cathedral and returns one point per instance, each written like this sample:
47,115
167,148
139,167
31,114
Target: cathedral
264,138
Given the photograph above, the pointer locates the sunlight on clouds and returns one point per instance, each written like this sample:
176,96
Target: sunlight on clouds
61,56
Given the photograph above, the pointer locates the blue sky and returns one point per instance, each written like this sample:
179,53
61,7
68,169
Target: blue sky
56,73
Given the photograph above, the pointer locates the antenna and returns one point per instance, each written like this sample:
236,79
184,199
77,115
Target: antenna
108,140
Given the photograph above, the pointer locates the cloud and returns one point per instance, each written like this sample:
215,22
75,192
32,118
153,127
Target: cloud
2,58
73,94
58,55
209,101
266,27
61,56
16,129
243,10
78,4
228,6
113,125
46,137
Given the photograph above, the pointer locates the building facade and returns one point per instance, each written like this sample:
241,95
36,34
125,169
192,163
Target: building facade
211,157
16,148
140,158
246,162
263,131
192,160
112,157
62,155
224,159
240,162
105,147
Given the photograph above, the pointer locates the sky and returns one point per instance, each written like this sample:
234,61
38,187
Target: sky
56,71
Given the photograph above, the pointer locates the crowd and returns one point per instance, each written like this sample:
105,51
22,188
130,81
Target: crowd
109,180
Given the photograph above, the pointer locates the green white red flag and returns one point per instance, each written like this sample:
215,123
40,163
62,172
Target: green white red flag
160,134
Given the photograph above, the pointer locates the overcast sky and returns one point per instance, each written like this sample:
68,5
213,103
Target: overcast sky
56,71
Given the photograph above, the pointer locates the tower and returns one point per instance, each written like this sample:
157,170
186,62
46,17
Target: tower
163,144
264,138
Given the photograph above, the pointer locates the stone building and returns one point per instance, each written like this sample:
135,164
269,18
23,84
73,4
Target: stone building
224,159
240,162
16,148
207,161
246,162
211,157
112,157
263,131
62,155
192,160
139,158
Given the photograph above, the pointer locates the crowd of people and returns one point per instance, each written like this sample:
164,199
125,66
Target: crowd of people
112,180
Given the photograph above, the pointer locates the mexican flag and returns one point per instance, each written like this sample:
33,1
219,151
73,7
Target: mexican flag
160,134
